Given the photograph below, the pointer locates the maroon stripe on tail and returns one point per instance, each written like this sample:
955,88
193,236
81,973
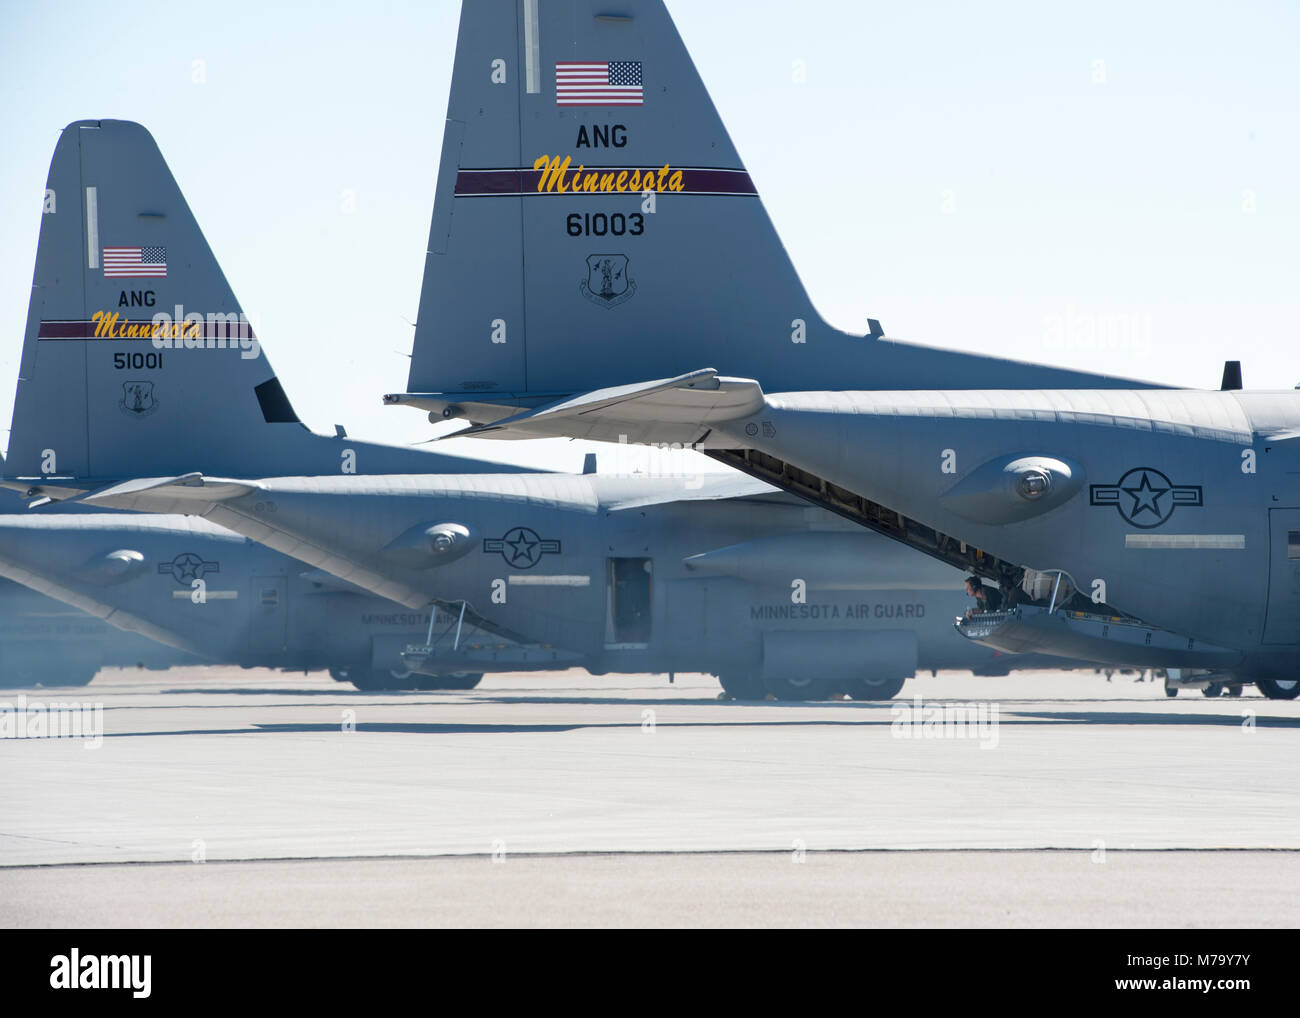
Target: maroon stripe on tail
515,182
86,330
66,330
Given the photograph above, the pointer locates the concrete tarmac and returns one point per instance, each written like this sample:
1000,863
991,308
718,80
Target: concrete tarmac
1036,799
1178,890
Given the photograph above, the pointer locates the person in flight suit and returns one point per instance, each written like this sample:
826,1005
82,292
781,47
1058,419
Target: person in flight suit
987,599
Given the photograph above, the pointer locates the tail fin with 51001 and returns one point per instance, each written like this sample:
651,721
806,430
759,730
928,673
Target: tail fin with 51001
137,358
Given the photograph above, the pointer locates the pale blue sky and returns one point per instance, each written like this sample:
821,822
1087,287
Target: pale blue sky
953,169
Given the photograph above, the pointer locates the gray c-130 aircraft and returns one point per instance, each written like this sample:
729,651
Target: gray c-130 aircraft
47,641
183,591
1141,498
522,570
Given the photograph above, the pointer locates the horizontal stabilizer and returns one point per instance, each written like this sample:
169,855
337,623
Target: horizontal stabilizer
709,488
187,493
671,411
46,489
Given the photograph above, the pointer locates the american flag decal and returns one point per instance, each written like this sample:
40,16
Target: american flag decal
135,262
598,83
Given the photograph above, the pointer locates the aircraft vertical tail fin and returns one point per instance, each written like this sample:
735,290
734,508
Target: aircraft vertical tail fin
137,358
593,225
134,341
589,203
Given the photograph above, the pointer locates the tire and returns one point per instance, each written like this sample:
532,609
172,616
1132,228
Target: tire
1170,690
462,680
1234,690
452,680
800,688
742,685
1279,689
876,689
375,680
1212,690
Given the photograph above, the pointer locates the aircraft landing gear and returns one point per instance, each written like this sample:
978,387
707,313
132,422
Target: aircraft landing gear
742,685
1212,690
1279,689
1170,690
803,687
374,680
748,686
452,680
876,689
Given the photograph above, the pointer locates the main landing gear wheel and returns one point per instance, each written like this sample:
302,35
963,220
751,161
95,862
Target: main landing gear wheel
452,680
875,689
377,680
1170,690
742,685
798,688
1279,689
1212,690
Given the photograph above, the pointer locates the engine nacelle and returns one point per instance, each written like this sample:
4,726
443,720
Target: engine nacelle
1014,488
425,546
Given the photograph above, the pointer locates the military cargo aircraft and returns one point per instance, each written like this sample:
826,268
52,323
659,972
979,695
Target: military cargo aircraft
1175,513
712,573
113,305
200,595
